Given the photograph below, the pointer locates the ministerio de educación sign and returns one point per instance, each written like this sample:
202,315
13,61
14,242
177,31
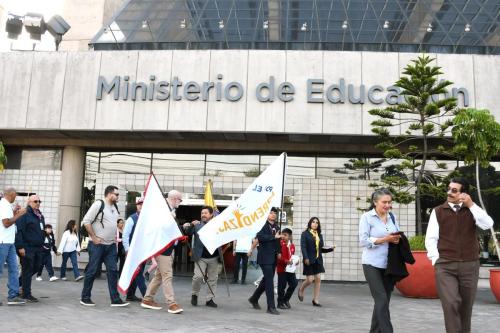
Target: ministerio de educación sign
318,91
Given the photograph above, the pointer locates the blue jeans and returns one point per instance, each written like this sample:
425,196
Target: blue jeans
8,253
138,282
97,255
74,263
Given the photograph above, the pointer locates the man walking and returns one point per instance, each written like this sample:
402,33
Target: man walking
206,266
164,272
267,255
30,238
128,233
8,218
100,223
453,248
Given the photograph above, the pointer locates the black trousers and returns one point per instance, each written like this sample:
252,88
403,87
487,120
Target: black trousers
267,285
284,279
30,264
243,258
47,263
381,288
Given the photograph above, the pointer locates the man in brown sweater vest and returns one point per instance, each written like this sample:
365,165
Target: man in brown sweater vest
453,247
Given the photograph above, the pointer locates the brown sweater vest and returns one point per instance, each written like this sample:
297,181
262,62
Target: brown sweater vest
458,240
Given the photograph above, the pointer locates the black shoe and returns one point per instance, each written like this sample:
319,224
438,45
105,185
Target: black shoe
30,299
133,299
316,304
194,300
255,304
272,311
301,297
287,304
282,306
211,304
119,302
87,302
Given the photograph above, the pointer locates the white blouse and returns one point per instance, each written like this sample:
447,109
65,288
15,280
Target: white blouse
69,242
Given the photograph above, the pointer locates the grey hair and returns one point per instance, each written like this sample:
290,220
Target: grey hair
174,193
377,194
9,190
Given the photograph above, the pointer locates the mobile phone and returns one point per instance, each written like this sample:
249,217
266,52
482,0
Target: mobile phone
397,233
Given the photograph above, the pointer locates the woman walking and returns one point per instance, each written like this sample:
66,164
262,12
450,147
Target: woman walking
70,247
378,228
312,246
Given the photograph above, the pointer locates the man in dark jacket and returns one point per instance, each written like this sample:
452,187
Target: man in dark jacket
267,255
29,244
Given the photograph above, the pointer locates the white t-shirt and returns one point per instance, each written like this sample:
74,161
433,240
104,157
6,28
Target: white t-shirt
7,235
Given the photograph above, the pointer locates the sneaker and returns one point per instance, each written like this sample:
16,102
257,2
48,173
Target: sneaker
78,278
175,309
133,299
16,301
150,305
64,278
87,302
39,278
119,302
30,299
194,300
53,278
211,304
256,283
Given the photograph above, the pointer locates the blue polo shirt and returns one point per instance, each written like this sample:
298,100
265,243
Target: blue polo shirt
372,227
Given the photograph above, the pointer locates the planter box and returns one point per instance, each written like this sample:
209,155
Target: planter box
421,283
495,283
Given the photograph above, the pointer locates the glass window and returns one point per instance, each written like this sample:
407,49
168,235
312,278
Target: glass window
125,162
179,164
332,167
296,166
233,165
91,168
41,159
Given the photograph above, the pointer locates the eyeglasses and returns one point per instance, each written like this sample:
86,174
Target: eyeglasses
37,201
117,194
452,190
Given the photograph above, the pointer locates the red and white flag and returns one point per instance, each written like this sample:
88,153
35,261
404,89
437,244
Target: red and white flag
156,230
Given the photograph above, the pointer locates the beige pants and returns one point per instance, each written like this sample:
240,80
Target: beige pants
211,268
163,276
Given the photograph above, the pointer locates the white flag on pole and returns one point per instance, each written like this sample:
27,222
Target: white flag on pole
247,215
155,231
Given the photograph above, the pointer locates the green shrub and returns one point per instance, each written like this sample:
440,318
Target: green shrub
417,243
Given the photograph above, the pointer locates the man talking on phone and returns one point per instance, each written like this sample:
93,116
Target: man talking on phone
453,247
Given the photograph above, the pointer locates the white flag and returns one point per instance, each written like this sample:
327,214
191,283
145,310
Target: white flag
247,215
155,231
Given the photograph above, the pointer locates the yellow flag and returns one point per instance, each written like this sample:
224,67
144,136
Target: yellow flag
209,199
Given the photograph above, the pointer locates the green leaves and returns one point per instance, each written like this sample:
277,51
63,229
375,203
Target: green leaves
3,157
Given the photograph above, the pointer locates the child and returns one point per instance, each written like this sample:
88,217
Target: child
286,270
48,245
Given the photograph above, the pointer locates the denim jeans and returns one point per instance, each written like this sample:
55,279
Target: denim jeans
138,282
74,263
47,263
97,255
8,254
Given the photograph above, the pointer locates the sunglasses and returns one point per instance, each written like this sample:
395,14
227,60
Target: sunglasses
37,201
117,194
453,190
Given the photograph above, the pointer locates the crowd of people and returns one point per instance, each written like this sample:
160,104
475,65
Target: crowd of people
24,234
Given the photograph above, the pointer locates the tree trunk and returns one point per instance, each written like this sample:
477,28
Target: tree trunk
478,185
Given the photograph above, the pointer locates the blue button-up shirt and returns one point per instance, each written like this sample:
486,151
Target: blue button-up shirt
372,227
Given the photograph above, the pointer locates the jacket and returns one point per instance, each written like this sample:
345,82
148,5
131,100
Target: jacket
198,246
269,246
51,243
30,231
286,255
397,257
308,248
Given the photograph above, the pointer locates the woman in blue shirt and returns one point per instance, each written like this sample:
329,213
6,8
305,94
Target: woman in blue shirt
378,228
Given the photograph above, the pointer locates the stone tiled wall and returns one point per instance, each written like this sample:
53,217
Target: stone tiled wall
334,201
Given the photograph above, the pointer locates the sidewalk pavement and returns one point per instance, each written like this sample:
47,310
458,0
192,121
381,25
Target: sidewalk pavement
346,307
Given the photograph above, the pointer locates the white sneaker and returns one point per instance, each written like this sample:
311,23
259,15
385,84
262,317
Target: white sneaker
54,278
64,278
79,278
39,278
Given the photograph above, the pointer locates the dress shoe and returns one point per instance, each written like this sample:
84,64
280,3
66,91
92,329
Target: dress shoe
282,306
301,297
273,311
316,304
211,304
287,304
255,304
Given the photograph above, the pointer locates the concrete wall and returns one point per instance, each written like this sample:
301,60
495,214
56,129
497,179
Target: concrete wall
51,91
334,201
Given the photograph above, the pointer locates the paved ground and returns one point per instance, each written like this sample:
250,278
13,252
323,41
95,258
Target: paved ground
347,308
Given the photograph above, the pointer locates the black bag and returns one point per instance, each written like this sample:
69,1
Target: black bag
83,231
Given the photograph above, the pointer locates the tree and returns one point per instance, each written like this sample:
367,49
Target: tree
477,138
3,157
424,111
362,164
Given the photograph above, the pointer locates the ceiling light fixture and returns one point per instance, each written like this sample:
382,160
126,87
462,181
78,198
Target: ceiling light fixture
304,27
467,27
344,25
183,24
265,25
429,27
386,24
145,24
221,24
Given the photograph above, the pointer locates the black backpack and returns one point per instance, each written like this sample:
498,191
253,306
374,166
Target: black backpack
83,231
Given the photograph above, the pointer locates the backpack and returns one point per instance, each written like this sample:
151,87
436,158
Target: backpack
83,231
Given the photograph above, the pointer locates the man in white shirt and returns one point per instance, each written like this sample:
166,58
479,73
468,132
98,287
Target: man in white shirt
8,217
453,247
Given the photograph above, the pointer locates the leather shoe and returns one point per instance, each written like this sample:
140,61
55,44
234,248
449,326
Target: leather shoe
287,304
316,304
255,304
273,311
194,300
211,304
301,297
282,306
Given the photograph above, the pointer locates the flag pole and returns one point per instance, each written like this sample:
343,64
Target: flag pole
283,189
205,278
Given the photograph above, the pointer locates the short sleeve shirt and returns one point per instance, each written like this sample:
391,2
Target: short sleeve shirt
7,235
